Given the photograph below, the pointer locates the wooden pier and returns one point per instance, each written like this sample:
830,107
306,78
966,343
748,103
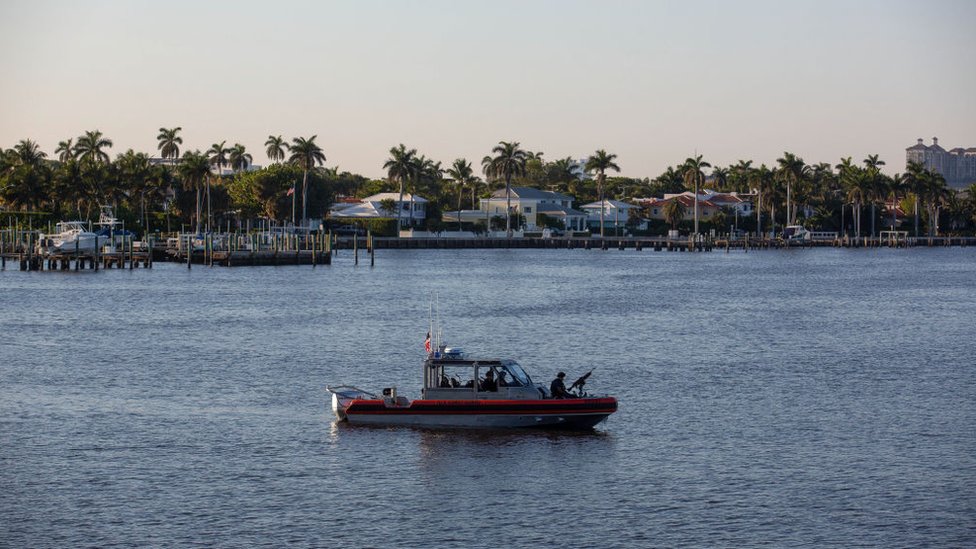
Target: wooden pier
234,250
77,262
24,249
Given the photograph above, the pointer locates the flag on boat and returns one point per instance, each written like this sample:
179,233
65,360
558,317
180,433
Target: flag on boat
290,192
427,343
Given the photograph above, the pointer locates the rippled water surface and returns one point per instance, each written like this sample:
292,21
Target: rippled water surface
780,398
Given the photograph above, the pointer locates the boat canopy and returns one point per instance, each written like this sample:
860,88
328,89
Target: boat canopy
458,373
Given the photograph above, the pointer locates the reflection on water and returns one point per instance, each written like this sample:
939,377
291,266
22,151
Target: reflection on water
816,397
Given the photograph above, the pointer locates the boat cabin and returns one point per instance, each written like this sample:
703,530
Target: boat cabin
450,376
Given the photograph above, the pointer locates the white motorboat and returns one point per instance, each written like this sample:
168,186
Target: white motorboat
71,236
797,234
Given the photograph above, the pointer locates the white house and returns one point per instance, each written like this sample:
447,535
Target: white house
615,213
531,202
732,201
371,208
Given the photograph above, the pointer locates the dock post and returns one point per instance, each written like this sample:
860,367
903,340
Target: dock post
355,249
372,249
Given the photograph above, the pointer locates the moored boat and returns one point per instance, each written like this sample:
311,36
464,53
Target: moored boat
70,236
474,393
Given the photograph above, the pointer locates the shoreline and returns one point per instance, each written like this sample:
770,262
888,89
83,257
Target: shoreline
320,251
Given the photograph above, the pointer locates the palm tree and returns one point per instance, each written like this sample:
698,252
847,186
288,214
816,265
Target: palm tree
936,194
896,185
194,169
858,187
508,162
26,176
759,180
693,174
240,159
27,153
486,169
847,176
600,162
792,170
971,203
169,143
65,150
915,181
564,172
275,148
306,154
739,175
769,189
400,167
875,183
217,155
720,177
674,212
428,172
139,177
462,174
89,148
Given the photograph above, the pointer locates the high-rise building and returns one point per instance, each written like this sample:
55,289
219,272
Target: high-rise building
957,166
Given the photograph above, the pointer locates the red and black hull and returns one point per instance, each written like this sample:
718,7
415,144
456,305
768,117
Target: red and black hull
570,413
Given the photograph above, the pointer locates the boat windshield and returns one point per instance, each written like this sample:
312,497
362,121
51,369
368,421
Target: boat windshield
517,374
65,226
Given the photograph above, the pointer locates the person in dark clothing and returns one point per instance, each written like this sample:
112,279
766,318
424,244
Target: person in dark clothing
489,383
558,388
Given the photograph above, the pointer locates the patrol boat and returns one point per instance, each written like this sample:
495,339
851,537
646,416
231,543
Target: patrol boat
463,392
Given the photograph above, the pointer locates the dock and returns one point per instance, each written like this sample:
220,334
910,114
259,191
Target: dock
23,249
234,250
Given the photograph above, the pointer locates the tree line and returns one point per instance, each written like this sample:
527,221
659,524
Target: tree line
204,190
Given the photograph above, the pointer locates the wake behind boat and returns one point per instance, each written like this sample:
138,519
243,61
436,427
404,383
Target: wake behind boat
474,393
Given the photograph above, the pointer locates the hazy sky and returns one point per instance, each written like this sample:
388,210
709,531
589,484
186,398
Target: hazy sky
652,82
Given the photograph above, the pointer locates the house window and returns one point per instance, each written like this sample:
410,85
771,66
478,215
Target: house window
528,210
655,211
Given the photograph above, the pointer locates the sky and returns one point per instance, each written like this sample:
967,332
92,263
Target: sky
652,82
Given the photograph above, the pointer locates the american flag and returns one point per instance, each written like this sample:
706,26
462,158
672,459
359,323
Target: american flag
427,343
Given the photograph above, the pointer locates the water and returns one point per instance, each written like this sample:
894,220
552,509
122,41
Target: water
780,398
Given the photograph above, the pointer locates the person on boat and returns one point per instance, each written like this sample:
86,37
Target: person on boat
558,387
489,384
502,382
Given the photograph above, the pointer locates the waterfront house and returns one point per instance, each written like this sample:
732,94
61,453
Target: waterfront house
531,203
655,206
709,203
615,213
733,202
371,208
